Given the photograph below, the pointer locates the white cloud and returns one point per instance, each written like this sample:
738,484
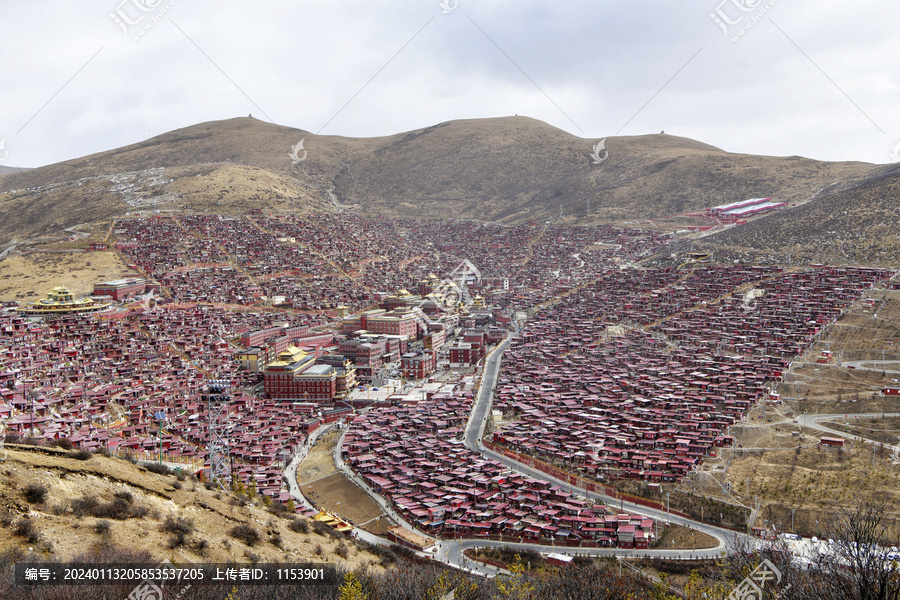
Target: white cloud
599,63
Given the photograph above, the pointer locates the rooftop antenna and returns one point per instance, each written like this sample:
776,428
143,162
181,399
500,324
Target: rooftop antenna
217,402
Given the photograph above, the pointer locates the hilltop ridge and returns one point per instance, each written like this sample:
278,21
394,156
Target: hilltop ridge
506,170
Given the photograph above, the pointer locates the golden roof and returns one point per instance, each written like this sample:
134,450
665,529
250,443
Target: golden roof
61,301
288,356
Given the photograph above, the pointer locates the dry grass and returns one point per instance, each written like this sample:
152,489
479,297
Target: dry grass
319,462
814,480
28,277
676,537
882,429
237,189
792,471
190,524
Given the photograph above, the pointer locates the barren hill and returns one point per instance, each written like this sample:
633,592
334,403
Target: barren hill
7,170
55,503
507,169
857,224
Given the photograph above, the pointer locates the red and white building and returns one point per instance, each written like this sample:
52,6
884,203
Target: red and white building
293,375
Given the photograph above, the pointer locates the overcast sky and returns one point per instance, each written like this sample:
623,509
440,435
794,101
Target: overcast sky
816,78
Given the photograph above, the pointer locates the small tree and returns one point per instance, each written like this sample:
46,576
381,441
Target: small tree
233,594
452,587
516,585
352,589
697,589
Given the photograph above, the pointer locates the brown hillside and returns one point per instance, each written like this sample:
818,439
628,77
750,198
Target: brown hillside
168,517
32,208
859,225
507,169
513,169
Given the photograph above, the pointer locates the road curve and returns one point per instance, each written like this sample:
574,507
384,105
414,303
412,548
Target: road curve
860,365
289,475
812,421
475,429
451,551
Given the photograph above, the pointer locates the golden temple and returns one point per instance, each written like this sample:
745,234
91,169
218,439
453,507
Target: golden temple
60,301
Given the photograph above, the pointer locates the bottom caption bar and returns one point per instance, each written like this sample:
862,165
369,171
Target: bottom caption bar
159,575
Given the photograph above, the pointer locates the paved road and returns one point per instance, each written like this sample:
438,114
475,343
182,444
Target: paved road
860,364
811,421
474,431
290,471
451,551
482,406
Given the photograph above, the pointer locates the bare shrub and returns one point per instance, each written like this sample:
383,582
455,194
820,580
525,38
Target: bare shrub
326,531
245,533
299,526
118,509
84,506
341,550
35,493
200,546
158,468
102,527
124,495
82,454
177,525
26,529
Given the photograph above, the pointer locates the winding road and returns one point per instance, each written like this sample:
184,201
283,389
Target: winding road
812,421
860,364
451,551
475,429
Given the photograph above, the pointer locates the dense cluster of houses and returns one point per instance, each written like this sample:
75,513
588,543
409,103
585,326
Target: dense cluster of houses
329,262
413,455
652,404
100,381
637,374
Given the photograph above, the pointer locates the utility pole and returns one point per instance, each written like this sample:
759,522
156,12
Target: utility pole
31,399
160,417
